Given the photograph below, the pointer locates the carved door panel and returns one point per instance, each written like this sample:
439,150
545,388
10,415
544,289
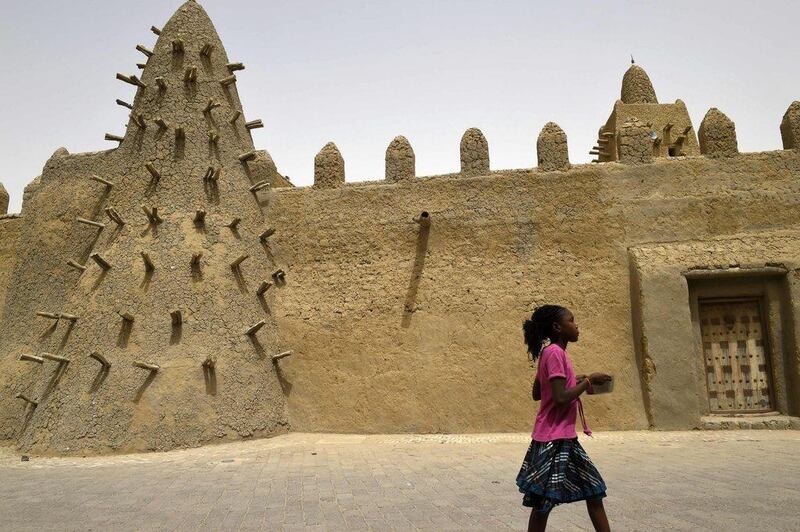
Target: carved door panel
735,356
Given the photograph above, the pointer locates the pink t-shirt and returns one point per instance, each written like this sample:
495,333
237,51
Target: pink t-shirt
555,422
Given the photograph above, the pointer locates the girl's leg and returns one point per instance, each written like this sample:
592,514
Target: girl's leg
538,521
597,513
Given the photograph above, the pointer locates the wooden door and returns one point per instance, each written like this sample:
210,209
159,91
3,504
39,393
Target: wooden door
736,358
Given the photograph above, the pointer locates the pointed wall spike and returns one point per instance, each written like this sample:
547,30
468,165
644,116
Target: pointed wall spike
199,217
90,222
155,30
145,365
56,358
26,399
100,358
153,171
228,81
177,317
234,117
205,51
254,124
211,105
254,329
249,156
31,358
99,179
266,234
279,356
148,262
162,85
124,104
233,67
177,46
75,265
260,185
49,315
238,262
116,138
144,50
100,261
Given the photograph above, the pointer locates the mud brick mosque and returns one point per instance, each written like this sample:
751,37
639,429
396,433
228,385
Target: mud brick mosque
177,290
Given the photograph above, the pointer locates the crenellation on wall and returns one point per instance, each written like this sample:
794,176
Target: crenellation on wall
329,167
790,127
718,135
474,153
400,161
551,148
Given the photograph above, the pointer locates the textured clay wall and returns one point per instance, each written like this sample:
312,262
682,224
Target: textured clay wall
396,328
9,236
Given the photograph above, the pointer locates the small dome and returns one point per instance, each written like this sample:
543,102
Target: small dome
329,167
636,86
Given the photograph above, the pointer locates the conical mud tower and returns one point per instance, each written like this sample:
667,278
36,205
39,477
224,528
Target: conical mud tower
138,314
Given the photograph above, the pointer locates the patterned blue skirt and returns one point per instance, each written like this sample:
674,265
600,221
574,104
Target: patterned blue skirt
556,472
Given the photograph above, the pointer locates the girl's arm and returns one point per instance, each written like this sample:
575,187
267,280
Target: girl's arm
563,396
536,391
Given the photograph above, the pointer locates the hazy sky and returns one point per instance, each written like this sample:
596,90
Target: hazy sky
359,73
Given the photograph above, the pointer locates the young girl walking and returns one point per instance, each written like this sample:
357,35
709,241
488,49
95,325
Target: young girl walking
556,469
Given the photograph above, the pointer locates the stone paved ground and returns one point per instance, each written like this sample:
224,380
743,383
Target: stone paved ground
732,480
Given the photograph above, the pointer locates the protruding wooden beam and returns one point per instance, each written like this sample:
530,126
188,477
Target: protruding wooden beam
424,219
148,262
249,156
75,265
213,137
196,259
190,76
144,50
210,362
31,358
49,315
238,262
100,261
69,317
263,287
140,66
228,81
234,117
90,222
233,67
260,185
124,104
138,119
234,224
199,217
139,83
26,399
211,105
99,179
127,316
153,172
162,85
145,365
180,134
112,213
279,356
152,215
115,138
177,46
177,317
127,79
155,30
205,51
254,329
162,124
279,276
266,234
100,358
56,358
209,175
254,124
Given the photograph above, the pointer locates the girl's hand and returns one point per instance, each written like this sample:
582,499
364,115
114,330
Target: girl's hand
599,378
536,392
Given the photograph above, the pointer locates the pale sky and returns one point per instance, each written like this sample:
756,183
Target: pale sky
359,73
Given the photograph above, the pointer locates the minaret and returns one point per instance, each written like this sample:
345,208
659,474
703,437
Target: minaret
142,269
670,128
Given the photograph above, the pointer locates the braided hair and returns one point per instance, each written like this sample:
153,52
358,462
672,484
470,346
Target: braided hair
540,327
